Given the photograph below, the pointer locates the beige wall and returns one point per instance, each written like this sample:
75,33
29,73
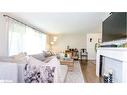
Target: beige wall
74,40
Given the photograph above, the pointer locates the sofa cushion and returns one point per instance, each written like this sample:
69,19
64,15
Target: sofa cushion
33,60
20,58
39,56
6,59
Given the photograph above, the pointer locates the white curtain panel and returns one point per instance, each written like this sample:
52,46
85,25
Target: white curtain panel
34,41
24,39
16,32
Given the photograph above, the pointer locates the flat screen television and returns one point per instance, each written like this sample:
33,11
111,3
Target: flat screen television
114,27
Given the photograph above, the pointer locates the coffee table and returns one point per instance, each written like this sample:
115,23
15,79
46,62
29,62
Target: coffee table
69,63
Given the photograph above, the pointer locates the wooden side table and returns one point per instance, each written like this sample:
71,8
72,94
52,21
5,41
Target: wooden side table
69,63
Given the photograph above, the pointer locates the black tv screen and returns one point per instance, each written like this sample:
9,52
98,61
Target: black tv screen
114,27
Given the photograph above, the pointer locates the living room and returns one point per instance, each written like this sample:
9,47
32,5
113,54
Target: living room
53,47
71,33
73,38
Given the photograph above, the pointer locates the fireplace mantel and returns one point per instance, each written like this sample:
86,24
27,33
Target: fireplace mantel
119,54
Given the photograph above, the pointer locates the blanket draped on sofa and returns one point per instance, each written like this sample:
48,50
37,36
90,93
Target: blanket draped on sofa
36,73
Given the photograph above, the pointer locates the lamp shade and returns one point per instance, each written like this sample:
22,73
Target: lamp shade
51,43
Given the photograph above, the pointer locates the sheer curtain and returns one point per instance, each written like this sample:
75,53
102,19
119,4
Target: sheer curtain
24,39
34,41
16,32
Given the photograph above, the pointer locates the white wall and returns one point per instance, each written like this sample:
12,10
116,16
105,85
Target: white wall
77,40
91,45
3,37
74,40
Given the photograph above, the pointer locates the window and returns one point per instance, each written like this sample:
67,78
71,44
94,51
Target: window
34,41
25,39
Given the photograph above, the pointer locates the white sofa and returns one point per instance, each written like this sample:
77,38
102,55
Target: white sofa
8,72
14,72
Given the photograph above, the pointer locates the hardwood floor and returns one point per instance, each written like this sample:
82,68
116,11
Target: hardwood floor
89,72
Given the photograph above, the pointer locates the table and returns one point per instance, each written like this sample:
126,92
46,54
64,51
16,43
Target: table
69,63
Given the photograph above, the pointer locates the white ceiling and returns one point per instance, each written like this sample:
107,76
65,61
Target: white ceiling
63,22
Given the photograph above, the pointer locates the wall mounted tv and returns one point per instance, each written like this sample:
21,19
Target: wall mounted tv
114,27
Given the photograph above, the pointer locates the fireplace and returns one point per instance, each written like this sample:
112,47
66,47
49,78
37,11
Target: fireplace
101,63
114,59
106,76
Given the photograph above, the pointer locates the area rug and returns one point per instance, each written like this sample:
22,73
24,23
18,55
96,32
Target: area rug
76,75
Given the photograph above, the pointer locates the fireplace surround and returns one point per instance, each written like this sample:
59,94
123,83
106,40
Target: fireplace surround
116,54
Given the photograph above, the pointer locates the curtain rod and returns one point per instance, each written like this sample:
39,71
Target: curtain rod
24,23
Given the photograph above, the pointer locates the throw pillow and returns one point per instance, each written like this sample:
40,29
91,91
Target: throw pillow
40,56
33,60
